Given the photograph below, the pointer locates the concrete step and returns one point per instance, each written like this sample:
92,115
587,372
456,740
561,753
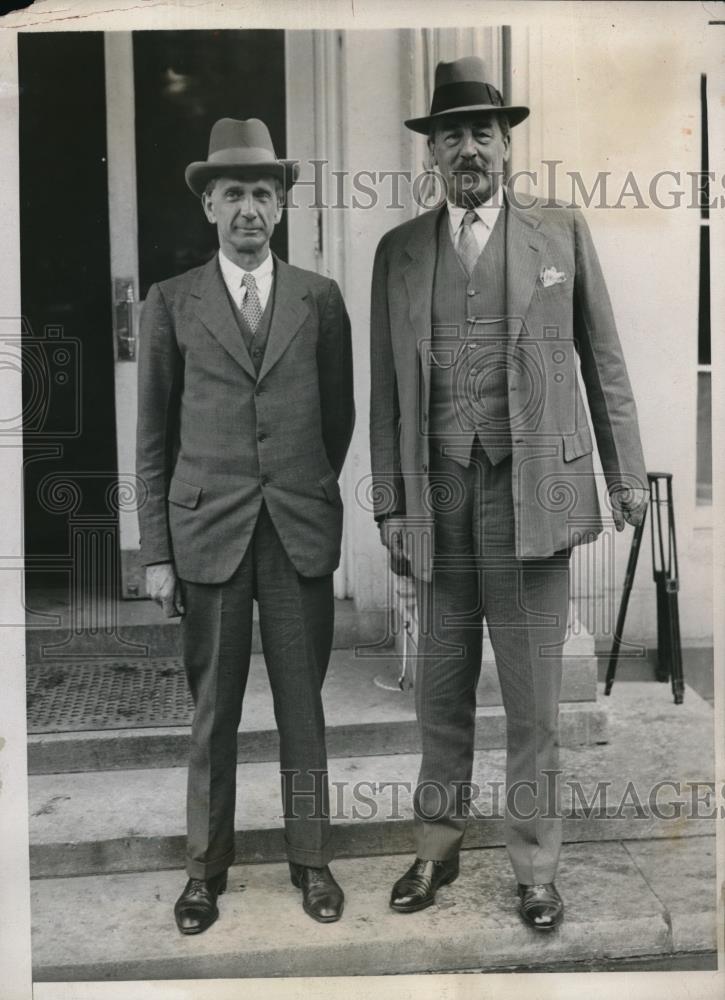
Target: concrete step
134,820
56,629
362,716
623,900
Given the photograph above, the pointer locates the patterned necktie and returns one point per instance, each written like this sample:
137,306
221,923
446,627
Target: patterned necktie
251,306
468,251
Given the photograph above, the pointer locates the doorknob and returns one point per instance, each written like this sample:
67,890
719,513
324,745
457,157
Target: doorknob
124,319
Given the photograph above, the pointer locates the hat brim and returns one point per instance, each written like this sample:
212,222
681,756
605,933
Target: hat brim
198,175
515,114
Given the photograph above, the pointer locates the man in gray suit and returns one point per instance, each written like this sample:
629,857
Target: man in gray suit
245,417
482,316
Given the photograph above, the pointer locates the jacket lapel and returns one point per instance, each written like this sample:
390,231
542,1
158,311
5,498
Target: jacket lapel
215,312
524,255
288,313
418,276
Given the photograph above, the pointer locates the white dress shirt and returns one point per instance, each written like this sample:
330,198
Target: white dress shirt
487,213
233,274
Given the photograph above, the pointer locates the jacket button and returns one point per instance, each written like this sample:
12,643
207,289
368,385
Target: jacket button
425,468
261,436
258,391
471,292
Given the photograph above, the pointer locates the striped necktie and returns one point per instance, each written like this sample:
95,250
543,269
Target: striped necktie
468,251
251,306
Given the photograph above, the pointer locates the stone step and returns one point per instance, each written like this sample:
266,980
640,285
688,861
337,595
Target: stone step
362,716
651,898
134,820
138,628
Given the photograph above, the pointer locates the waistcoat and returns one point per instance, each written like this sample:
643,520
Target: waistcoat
469,386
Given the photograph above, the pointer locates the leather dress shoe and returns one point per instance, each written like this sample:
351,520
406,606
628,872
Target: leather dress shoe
541,906
322,897
196,908
417,888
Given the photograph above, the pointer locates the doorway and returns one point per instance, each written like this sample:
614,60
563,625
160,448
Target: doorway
105,212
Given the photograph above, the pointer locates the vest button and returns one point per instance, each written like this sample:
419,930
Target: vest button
261,436
264,480
256,353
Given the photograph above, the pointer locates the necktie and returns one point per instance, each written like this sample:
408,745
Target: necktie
251,306
468,251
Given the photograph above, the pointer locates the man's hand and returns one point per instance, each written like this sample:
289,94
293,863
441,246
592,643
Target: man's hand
628,505
391,536
163,587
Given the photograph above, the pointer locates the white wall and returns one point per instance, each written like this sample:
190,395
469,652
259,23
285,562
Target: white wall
620,99
374,140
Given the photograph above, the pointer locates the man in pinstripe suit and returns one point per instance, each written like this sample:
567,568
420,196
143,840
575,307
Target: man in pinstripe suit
245,417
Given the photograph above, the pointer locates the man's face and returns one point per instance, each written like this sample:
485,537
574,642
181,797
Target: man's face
245,213
470,152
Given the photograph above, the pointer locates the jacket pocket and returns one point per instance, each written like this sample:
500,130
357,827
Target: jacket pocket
184,494
331,487
578,444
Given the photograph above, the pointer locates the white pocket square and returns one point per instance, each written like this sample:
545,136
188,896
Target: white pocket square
550,276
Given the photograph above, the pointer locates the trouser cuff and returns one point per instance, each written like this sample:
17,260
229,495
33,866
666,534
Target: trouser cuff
312,857
208,869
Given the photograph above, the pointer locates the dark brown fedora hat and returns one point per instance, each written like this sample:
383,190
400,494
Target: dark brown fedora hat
460,87
240,148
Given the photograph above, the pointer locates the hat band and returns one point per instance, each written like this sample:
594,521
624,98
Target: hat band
244,156
465,94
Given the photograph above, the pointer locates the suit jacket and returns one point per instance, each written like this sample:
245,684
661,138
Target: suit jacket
214,438
560,323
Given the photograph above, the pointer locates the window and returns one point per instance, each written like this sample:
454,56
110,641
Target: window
704,368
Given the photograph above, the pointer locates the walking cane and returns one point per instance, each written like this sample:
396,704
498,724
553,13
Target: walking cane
665,574
626,591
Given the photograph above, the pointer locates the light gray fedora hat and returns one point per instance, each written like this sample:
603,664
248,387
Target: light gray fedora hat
240,148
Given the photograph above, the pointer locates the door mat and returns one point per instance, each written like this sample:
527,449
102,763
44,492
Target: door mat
66,697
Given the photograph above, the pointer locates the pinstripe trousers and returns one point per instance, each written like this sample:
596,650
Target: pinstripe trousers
296,616
525,604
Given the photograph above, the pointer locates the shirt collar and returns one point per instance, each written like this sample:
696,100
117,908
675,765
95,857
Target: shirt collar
487,212
233,273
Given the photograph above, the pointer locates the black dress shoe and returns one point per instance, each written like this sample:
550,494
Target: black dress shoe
417,888
541,906
322,897
196,908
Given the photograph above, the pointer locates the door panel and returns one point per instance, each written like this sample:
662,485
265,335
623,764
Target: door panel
69,434
184,81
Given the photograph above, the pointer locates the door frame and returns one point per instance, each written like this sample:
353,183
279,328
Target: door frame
123,240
